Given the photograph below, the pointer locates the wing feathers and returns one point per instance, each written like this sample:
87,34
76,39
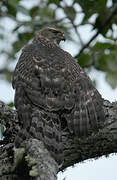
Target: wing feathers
87,112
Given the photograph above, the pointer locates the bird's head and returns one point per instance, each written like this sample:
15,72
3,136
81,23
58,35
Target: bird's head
52,34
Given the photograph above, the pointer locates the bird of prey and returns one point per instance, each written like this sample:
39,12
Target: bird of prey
53,94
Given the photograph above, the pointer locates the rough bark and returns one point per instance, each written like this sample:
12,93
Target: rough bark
33,161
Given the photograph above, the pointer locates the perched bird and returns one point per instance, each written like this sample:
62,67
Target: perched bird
53,94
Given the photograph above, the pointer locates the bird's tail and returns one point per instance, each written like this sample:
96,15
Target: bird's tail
46,127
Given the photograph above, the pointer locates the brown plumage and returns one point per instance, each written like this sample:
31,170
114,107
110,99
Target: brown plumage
53,94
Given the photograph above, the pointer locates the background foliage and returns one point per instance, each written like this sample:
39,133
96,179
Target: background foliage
100,15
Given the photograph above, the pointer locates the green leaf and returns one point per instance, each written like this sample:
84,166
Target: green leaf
24,37
90,7
16,1
34,11
101,20
11,104
112,62
104,56
13,2
46,13
17,45
57,2
84,60
101,62
102,46
111,78
11,10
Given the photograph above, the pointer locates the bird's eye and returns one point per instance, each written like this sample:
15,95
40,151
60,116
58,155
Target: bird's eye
56,32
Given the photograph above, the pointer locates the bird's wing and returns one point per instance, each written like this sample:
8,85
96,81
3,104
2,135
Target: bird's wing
41,73
21,79
33,95
87,112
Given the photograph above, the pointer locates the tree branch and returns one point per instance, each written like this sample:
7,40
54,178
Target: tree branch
75,149
43,166
96,145
76,31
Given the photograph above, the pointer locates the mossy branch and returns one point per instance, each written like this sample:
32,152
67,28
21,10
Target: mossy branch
76,150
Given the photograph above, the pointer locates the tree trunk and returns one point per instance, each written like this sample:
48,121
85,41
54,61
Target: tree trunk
34,162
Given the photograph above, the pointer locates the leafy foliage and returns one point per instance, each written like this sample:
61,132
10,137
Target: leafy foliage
26,20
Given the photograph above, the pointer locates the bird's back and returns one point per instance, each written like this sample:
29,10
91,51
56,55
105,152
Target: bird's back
53,94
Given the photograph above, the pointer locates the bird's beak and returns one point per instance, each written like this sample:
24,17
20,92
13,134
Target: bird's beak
63,38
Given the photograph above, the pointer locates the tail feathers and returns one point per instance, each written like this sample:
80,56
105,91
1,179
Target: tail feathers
46,126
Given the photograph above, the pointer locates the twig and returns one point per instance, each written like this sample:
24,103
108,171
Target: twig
78,34
76,30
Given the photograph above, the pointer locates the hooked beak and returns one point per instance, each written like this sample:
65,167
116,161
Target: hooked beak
63,37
